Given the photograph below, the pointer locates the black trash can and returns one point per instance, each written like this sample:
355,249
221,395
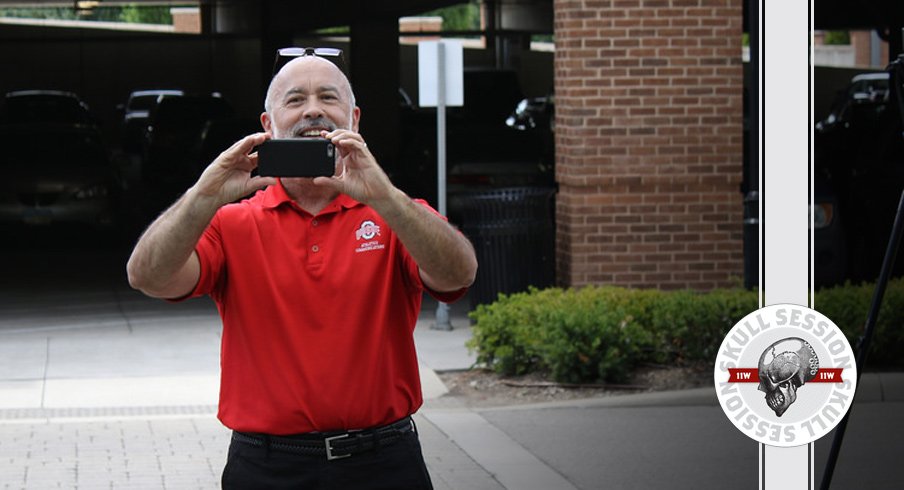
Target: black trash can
513,232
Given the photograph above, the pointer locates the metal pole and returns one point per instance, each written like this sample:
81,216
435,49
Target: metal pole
863,346
442,309
441,127
753,267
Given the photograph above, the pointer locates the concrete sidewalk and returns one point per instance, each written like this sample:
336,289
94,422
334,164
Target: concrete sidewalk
107,388
101,387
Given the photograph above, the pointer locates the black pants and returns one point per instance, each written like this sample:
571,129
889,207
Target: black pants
397,466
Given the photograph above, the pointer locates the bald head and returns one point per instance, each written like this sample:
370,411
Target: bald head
307,96
300,68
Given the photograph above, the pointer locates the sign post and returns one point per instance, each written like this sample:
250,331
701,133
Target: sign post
440,84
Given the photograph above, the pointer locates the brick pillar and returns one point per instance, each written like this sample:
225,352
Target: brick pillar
649,142
186,19
861,42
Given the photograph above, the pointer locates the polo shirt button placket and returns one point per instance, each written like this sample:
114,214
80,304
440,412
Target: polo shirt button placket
316,230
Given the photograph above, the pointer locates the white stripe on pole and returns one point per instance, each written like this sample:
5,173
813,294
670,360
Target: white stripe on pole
785,196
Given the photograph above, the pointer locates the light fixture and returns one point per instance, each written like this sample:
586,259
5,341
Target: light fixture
85,7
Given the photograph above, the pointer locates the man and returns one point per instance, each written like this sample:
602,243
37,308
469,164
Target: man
319,284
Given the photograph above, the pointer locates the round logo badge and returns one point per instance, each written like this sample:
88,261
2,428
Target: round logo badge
367,230
785,375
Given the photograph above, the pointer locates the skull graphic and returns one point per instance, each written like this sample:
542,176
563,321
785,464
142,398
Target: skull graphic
784,367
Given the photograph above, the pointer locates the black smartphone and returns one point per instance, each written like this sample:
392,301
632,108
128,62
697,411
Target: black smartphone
296,157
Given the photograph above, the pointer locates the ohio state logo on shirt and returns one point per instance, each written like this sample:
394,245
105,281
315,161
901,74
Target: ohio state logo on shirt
367,232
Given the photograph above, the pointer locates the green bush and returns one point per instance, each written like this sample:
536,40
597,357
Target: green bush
848,305
603,333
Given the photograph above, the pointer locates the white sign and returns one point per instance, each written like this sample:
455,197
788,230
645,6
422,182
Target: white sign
428,73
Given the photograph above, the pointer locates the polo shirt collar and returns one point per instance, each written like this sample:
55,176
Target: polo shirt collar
276,195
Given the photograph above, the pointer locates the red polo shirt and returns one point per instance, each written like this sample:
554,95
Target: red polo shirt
318,315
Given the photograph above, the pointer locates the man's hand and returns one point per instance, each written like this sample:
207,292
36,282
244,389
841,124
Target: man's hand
360,176
229,176
444,256
163,263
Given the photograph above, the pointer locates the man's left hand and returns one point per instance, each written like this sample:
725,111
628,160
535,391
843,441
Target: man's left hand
444,256
360,176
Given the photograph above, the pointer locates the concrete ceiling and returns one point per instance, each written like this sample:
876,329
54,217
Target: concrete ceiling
384,5
303,15
280,18
828,14
863,14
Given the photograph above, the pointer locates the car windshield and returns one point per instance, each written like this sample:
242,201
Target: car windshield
55,150
142,102
45,108
188,114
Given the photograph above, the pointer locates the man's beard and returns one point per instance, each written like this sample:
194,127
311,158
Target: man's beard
300,127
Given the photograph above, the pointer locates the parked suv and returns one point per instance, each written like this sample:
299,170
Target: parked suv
57,174
865,88
45,106
136,115
859,179
173,142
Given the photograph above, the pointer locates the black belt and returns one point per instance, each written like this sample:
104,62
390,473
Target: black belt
335,445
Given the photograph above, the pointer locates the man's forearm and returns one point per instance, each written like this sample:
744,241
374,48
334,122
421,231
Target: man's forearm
446,258
159,265
163,263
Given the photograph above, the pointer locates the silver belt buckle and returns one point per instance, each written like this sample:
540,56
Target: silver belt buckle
329,450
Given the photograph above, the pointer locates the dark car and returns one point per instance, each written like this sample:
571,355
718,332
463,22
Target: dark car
173,142
57,174
830,243
136,115
865,88
859,179
45,106
533,113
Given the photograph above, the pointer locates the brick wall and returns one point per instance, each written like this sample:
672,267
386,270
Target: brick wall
862,41
186,19
420,24
649,142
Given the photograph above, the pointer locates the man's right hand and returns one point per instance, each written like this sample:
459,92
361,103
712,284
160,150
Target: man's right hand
229,178
164,263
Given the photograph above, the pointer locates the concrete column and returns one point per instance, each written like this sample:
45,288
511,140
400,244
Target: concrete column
374,72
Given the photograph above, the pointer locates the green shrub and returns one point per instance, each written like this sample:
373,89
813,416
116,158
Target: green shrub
594,334
848,306
510,331
694,324
603,333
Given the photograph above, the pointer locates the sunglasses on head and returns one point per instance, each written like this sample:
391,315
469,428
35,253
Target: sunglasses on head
284,55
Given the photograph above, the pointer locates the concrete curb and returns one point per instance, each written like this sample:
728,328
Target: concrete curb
510,463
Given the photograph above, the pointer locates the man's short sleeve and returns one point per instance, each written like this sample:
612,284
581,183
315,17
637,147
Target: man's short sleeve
448,296
211,258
